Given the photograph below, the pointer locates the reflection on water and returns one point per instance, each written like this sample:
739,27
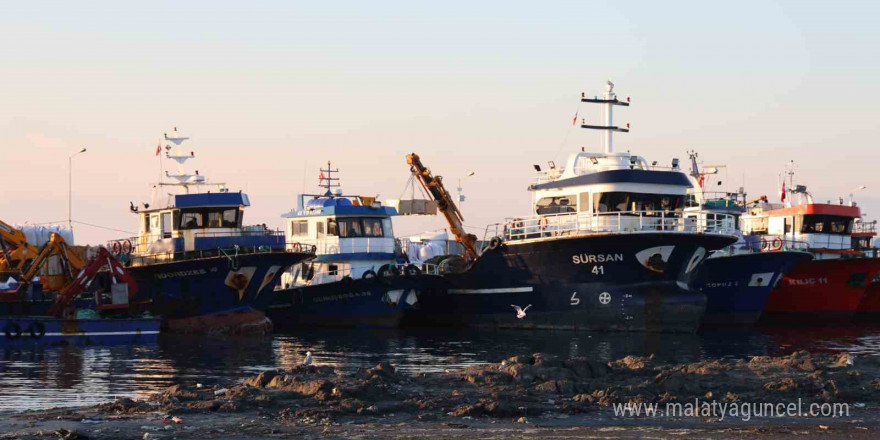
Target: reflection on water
68,376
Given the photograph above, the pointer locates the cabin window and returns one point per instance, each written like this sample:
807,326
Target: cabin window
826,224
299,228
625,201
146,223
320,226
231,218
373,227
584,202
556,205
332,269
190,220
332,230
350,227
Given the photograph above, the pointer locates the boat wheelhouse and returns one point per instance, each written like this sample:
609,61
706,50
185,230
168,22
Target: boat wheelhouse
351,235
607,247
193,256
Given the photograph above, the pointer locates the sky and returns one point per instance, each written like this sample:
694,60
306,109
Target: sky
270,90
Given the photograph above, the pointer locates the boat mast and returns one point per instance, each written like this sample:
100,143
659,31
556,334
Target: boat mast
608,100
330,179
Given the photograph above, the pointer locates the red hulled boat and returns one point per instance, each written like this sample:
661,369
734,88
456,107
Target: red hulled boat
828,289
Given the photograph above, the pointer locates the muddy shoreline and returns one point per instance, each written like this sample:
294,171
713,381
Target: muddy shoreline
528,396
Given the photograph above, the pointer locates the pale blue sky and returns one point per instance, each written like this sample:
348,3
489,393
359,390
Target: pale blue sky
267,89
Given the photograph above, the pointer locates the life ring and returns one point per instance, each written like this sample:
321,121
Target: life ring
764,244
777,244
387,272
12,330
115,248
126,247
310,273
37,330
297,247
411,270
314,249
368,275
347,281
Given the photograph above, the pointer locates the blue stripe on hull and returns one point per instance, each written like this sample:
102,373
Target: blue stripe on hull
36,330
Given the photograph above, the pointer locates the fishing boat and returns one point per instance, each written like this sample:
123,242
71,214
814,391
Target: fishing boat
358,278
827,289
607,247
49,331
738,279
197,265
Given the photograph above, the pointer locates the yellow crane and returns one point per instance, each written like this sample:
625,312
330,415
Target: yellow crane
15,251
433,185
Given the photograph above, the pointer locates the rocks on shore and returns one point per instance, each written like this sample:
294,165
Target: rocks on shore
521,387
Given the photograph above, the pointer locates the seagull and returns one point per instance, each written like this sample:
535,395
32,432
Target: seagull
520,312
308,360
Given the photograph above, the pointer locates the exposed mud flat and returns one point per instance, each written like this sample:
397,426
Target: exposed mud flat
537,396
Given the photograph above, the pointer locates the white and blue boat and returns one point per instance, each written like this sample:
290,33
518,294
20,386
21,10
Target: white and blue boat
359,277
197,265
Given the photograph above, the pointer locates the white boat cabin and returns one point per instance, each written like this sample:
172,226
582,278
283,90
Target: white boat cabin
352,236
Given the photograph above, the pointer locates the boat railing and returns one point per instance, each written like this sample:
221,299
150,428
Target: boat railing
147,245
356,245
574,224
865,227
765,244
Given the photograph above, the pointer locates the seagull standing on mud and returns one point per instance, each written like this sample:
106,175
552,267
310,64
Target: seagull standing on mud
520,312
308,360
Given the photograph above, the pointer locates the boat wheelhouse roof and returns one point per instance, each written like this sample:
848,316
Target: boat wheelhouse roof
619,176
817,208
337,206
204,200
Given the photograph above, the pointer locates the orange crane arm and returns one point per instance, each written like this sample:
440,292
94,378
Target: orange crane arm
87,274
434,186
16,251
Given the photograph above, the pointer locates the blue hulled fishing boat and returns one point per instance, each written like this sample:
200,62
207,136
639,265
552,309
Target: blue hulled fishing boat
197,265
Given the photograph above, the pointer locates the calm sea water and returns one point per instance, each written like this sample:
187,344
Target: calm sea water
70,376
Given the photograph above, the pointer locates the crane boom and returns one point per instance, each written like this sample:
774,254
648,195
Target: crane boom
433,185
16,251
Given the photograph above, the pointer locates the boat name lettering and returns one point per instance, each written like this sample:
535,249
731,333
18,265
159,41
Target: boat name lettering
181,273
341,296
806,281
722,284
595,258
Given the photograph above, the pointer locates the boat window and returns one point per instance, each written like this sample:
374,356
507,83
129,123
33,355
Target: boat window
556,205
350,227
373,227
299,228
626,201
331,227
230,218
320,226
146,223
190,219
332,269
826,224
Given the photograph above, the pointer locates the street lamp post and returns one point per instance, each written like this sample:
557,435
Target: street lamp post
460,195
851,200
70,188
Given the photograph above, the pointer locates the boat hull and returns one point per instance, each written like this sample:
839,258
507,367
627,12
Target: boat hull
737,286
211,287
869,307
820,291
39,330
615,282
370,303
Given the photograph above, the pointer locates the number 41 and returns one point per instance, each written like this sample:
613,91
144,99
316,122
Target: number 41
598,270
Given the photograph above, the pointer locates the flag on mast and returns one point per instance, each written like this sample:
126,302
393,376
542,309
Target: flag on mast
158,149
782,192
321,177
574,120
